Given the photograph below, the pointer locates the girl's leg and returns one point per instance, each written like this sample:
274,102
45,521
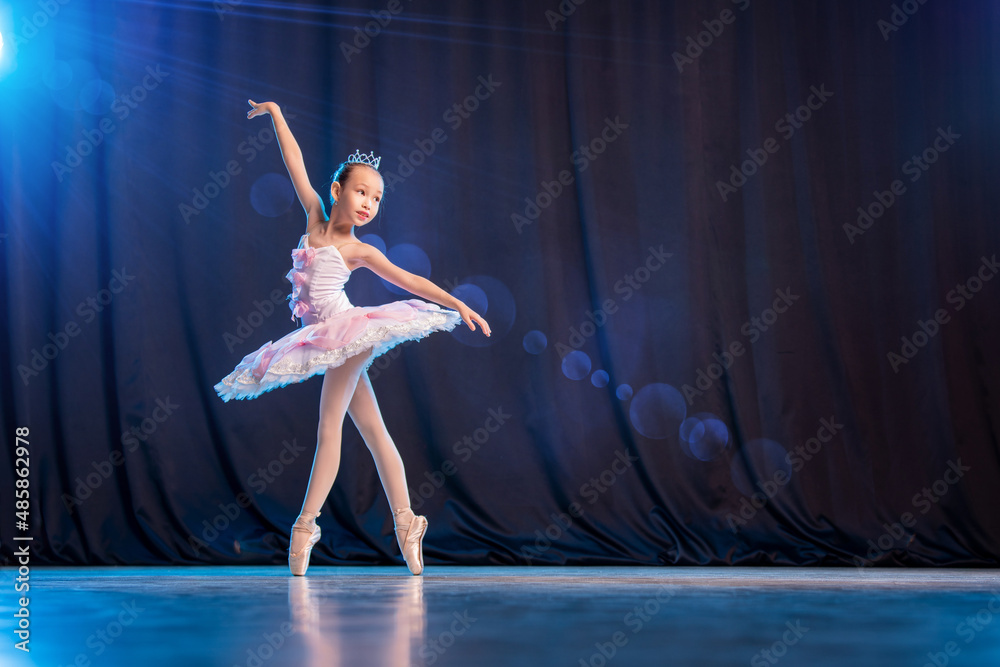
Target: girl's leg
410,528
365,413
338,387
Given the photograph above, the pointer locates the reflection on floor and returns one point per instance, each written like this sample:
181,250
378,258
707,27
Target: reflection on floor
483,616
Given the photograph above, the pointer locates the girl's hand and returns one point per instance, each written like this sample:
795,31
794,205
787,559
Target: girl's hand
260,109
470,316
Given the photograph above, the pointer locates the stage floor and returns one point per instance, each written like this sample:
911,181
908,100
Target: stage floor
484,616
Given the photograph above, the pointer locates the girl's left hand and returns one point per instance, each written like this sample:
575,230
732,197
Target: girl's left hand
470,316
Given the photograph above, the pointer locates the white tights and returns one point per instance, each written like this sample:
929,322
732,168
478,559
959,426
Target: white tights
346,389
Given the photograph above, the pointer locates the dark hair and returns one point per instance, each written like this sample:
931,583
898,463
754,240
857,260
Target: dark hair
344,171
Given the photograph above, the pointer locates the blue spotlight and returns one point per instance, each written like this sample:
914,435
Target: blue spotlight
9,43
6,56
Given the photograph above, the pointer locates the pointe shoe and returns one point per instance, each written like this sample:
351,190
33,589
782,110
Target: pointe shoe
411,542
298,562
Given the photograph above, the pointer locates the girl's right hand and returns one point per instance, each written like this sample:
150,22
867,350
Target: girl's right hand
260,109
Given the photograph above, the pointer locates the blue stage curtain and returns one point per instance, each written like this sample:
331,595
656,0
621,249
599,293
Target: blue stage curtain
739,259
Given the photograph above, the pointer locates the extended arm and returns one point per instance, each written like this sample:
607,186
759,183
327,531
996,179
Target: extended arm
370,257
311,202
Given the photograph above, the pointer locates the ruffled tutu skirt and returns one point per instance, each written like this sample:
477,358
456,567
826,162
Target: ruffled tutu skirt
313,348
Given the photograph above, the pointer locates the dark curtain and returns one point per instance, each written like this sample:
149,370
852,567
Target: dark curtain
739,259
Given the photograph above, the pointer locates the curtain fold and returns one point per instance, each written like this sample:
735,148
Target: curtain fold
739,259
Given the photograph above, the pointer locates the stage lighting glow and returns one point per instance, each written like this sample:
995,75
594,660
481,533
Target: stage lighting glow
6,55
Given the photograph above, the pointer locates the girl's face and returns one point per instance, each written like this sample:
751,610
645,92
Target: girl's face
360,197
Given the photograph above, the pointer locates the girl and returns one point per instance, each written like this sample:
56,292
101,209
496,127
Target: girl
340,341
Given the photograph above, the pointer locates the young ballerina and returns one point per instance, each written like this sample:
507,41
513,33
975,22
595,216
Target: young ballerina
340,341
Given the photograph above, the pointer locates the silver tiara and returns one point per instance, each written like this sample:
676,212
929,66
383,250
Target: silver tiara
369,159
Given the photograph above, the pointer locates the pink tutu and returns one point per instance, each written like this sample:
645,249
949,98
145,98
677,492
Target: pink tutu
333,331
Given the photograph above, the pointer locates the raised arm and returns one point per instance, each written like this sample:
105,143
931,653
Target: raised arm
311,202
362,254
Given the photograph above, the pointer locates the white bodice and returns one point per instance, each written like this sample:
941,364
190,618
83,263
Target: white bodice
319,275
